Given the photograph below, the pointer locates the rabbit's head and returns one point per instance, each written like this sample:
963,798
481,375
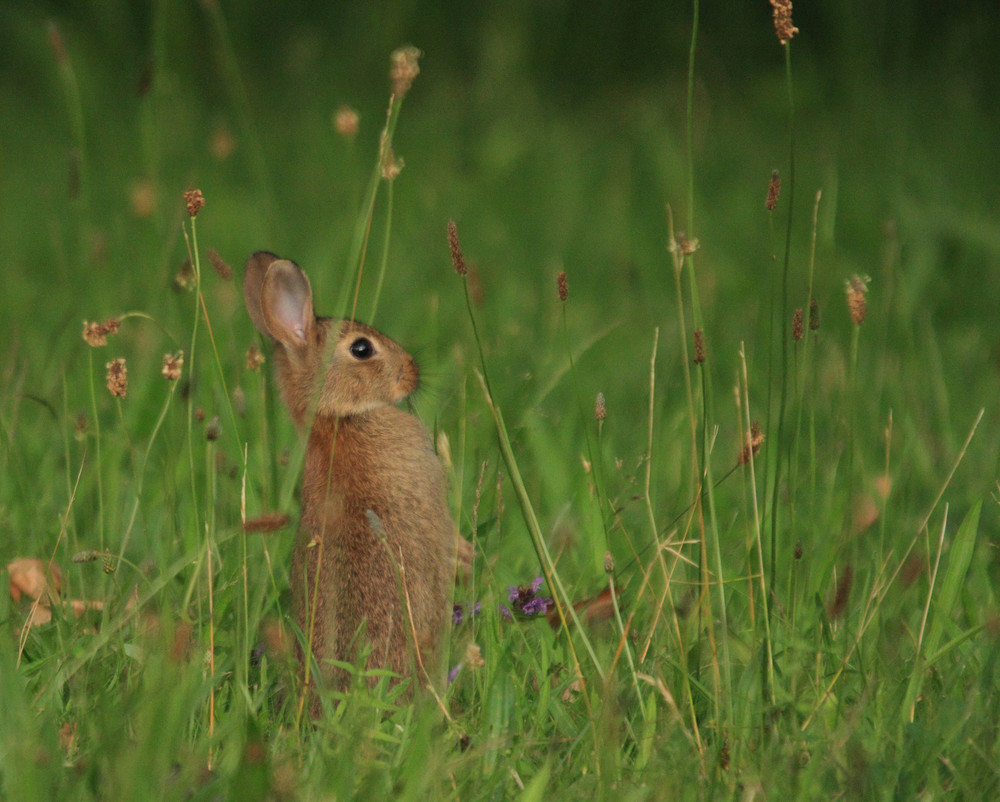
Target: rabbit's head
359,368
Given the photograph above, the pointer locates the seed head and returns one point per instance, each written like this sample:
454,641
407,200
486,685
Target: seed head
683,244
813,314
143,197
563,285
474,656
783,27
213,430
57,44
117,378
223,143
346,122
391,166
221,266
254,358
96,334
172,364
457,259
755,439
798,328
773,191
839,603
600,407
404,70
609,563
699,347
857,288
184,279
195,201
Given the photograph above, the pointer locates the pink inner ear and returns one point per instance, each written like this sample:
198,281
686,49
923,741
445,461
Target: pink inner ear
286,300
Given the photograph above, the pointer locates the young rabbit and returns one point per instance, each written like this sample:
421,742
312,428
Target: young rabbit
375,547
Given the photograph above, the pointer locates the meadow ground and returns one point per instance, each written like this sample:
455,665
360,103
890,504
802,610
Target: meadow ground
813,617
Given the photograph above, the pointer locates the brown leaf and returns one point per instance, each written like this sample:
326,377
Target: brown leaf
35,579
591,610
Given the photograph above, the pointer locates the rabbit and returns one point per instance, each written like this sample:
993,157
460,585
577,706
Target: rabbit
376,542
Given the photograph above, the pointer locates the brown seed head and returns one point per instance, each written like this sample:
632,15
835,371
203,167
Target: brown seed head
392,166
474,656
195,201
346,122
783,27
600,407
117,378
404,69
609,563
185,276
773,191
143,198
57,45
172,364
213,430
857,288
254,358
221,266
684,244
457,259
563,285
813,314
699,347
96,334
798,327
839,603
755,439
223,143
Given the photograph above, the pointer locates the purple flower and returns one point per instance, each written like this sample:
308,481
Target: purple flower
538,604
453,674
525,599
458,612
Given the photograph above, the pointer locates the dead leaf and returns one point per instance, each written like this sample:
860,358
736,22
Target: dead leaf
596,608
33,578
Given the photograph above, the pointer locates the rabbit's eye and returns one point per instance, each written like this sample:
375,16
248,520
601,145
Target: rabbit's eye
362,349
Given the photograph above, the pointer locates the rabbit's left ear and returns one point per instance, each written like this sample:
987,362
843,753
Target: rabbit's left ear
253,282
286,303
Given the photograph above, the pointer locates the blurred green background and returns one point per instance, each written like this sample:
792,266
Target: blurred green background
554,133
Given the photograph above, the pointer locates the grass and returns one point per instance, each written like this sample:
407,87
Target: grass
817,620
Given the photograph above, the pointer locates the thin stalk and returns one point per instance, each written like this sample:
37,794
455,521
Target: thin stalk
782,316
385,250
768,651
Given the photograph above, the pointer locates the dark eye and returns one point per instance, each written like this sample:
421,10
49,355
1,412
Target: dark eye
362,349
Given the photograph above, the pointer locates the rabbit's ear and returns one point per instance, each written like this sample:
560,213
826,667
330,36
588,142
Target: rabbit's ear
286,303
253,282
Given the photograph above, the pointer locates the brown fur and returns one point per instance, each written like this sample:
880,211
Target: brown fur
375,539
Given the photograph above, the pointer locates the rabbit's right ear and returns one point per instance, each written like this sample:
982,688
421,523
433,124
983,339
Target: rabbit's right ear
286,303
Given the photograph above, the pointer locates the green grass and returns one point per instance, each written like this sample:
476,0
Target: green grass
821,622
